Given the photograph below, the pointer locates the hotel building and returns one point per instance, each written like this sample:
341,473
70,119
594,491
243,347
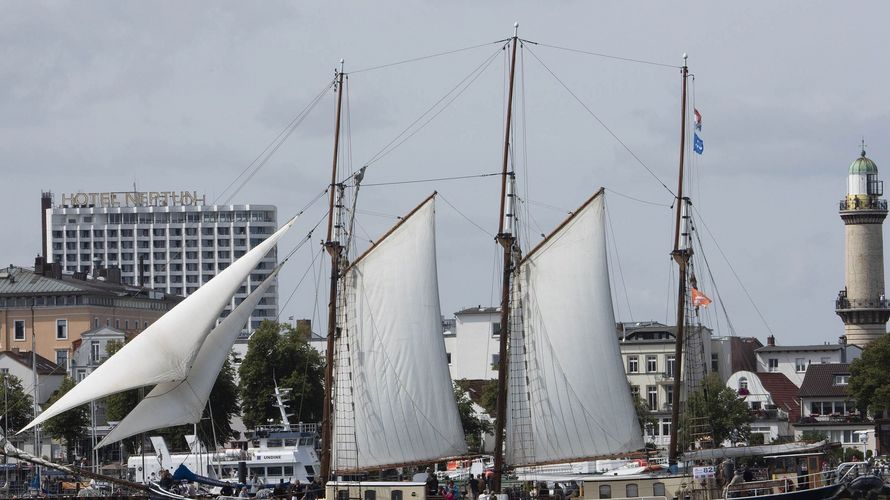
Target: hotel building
167,241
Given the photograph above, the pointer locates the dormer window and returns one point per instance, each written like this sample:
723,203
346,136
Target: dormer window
842,379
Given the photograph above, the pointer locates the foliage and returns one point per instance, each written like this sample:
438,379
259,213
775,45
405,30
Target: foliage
69,426
18,405
474,427
645,418
489,397
870,378
813,436
278,351
717,410
117,406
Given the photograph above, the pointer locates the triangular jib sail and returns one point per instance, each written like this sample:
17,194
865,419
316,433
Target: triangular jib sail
183,402
165,351
568,397
399,407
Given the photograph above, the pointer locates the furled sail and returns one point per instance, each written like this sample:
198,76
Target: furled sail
183,402
166,350
568,395
400,408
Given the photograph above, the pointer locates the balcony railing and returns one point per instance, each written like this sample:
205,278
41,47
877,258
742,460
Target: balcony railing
857,204
843,302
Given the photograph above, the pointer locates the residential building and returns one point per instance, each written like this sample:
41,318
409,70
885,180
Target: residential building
826,406
51,309
472,343
18,363
793,360
91,350
773,401
167,241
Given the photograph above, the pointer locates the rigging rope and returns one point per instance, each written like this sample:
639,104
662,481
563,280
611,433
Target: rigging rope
423,58
607,56
602,124
272,147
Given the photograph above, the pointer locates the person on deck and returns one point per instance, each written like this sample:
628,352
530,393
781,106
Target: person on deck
473,487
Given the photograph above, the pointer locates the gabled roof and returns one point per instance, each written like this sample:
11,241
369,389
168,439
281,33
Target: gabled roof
783,391
44,366
819,380
479,310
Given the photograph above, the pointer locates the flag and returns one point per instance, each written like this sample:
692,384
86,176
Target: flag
699,299
698,145
697,119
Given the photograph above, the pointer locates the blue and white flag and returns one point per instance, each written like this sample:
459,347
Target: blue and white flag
698,145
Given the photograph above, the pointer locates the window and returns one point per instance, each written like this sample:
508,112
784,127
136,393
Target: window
448,357
668,395
370,495
94,351
825,360
633,364
495,329
773,364
666,427
19,326
632,490
800,365
651,364
635,392
743,384
62,358
95,322
61,329
715,362
395,495
658,489
605,491
495,361
652,397
670,361
342,494
842,379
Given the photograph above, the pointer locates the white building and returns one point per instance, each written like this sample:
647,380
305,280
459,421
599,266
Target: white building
472,344
792,361
827,408
49,375
169,241
91,350
773,401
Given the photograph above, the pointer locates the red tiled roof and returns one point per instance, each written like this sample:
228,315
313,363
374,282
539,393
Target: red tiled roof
783,392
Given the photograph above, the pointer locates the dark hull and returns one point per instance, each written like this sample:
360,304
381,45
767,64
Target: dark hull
821,493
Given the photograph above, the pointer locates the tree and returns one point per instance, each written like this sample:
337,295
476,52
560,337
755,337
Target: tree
813,436
474,427
870,378
18,409
69,426
280,352
644,417
717,410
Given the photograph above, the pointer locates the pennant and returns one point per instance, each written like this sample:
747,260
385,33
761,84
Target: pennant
697,119
699,299
698,145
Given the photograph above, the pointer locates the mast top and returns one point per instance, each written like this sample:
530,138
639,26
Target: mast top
516,29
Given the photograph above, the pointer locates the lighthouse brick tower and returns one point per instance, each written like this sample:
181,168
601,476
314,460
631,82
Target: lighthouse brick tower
862,304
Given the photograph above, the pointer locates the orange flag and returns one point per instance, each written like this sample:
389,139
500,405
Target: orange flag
699,299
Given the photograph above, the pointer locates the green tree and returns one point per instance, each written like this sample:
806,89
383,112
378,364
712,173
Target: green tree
813,436
69,426
644,417
474,427
277,351
18,409
870,378
717,410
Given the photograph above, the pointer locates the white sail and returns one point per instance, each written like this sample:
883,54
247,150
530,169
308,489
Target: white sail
400,408
568,394
183,402
165,351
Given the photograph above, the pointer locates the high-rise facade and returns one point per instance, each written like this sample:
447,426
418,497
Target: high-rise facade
862,304
168,241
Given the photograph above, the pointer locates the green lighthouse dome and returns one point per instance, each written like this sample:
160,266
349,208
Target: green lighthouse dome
863,165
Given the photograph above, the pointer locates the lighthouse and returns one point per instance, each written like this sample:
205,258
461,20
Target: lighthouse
862,304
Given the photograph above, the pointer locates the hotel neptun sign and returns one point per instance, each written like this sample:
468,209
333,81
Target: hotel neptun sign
132,199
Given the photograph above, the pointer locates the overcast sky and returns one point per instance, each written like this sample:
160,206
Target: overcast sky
97,96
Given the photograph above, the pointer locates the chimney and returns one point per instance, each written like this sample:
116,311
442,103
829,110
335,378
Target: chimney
56,270
842,340
111,274
39,264
771,341
46,203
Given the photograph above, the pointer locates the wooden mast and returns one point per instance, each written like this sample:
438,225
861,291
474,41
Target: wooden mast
332,244
681,254
507,240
